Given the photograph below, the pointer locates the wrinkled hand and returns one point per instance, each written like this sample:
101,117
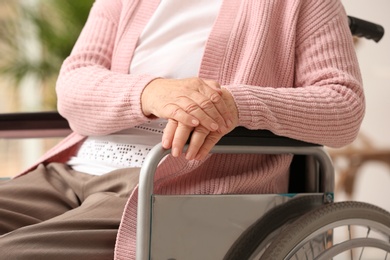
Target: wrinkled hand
191,102
202,140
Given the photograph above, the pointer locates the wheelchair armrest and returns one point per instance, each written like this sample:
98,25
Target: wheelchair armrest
245,137
33,125
52,124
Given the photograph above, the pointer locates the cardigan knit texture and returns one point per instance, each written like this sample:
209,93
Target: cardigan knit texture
290,66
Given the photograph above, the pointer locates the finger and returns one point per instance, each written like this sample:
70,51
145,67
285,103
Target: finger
169,133
183,101
197,139
178,114
210,141
219,104
204,110
205,93
182,134
225,114
189,113
186,108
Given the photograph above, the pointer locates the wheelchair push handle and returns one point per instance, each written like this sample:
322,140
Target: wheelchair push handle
366,29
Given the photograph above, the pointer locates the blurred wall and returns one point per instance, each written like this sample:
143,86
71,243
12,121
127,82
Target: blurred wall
373,182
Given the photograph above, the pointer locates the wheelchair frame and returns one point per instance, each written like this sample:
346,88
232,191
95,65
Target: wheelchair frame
240,141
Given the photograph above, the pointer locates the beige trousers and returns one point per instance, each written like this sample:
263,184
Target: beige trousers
57,213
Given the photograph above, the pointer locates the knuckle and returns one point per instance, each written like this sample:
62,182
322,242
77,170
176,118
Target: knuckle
201,130
174,112
193,83
191,108
196,81
215,97
213,83
213,139
170,126
206,104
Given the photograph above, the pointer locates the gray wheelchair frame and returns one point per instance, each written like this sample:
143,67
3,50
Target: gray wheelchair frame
239,141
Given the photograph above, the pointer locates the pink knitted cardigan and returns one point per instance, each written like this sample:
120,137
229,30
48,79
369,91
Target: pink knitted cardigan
290,66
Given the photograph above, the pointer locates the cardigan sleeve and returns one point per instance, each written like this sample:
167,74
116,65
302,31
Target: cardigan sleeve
93,98
326,103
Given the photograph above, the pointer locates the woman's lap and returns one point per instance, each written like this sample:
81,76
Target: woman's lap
56,213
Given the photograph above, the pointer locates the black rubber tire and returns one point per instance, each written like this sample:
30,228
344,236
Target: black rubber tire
315,220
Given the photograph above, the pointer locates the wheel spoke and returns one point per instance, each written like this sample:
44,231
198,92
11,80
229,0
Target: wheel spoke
350,244
350,237
368,233
361,253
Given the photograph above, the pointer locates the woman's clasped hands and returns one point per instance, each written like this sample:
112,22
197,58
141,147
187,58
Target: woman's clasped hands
195,108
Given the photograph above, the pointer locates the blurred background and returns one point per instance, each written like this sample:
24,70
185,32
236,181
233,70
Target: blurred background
369,156
37,35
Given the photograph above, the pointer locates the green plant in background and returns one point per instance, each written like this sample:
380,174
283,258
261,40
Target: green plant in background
53,24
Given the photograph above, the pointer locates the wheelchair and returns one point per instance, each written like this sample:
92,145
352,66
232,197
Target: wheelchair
306,223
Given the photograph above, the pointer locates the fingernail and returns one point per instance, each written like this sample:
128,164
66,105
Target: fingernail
195,122
165,144
214,126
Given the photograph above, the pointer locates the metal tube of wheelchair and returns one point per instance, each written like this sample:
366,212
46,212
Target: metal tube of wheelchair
144,207
145,191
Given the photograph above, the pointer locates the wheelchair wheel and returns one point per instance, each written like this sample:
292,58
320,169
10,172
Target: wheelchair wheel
344,230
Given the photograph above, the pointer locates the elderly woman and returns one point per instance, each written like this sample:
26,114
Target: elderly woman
144,72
